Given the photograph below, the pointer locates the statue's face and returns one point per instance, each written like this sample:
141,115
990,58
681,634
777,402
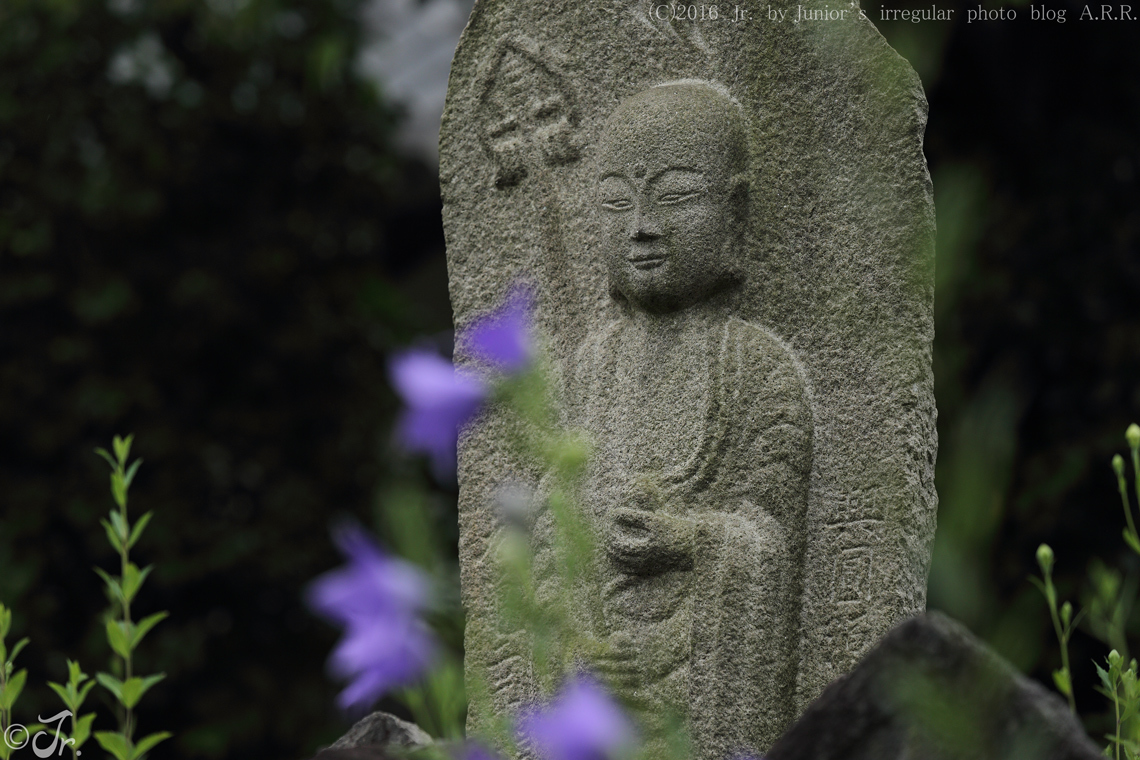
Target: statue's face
670,214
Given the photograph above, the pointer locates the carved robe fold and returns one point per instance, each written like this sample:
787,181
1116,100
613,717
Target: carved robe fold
708,425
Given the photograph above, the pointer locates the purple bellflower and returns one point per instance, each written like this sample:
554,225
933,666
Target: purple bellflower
582,723
503,338
378,600
440,400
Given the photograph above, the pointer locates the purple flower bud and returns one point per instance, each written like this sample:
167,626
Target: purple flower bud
378,600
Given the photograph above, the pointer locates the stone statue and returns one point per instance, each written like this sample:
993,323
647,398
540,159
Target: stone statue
728,225
702,431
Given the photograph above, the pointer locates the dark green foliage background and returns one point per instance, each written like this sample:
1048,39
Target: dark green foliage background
1034,147
220,267
220,263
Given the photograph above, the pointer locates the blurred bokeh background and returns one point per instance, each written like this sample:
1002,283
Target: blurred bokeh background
217,218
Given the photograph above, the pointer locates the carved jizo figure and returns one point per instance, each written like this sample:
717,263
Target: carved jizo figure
734,283
702,431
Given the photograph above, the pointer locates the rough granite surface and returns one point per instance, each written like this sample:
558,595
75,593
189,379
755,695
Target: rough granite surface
729,227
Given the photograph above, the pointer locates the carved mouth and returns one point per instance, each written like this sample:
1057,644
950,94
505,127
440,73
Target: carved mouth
646,262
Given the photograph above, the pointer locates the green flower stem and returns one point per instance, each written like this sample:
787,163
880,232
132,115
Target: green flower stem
1122,487
1132,435
1063,637
1063,622
122,633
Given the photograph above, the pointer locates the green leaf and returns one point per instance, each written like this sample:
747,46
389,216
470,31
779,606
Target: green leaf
75,674
1061,678
143,627
147,743
116,544
130,473
133,578
134,688
112,583
110,460
16,649
117,744
12,689
1130,539
1104,677
118,490
66,695
119,639
122,530
82,729
122,447
136,532
111,684
1077,620
5,623
83,694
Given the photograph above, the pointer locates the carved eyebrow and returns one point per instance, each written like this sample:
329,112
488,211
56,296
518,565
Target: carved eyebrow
613,175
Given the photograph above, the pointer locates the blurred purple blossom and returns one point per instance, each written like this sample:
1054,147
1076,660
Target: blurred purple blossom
475,751
438,402
378,600
582,723
503,338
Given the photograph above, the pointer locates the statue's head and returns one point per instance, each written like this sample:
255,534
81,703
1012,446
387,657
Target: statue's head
673,195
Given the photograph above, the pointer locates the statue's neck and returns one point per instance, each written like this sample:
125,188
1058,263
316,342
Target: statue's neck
668,330
712,311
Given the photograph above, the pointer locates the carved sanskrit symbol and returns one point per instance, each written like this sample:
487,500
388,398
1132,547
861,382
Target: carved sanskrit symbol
527,113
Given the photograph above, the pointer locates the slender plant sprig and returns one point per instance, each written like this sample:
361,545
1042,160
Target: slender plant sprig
1063,622
1119,684
540,615
538,595
557,642
73,696
1132,436
122,634
11,683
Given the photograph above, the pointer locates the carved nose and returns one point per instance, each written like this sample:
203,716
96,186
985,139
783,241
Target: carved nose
644,228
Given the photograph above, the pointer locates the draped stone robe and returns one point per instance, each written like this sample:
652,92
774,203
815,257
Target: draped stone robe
705,418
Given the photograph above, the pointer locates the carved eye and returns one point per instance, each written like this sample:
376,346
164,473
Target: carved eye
618,204
670,199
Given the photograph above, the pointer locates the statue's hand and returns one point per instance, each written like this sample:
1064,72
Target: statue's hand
647,542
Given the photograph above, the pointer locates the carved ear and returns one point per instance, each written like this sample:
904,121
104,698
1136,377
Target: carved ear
738,189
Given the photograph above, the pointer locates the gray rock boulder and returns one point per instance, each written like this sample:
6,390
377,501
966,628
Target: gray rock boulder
931,690
371,737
